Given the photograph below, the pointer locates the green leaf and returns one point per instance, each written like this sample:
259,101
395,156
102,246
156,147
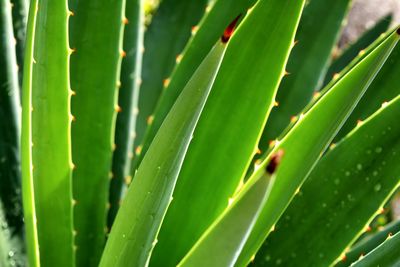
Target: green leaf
46,157
133,235
217,16
384,88
387,254
354,49
341,196
128,103
170,26
28,190
221,243
304,143
317,34
10,124
96,35
225,139
369,243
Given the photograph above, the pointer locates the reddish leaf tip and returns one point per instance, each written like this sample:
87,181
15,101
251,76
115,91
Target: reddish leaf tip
229,30
275,161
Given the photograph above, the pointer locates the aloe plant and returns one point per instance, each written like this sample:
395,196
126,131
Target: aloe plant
215,133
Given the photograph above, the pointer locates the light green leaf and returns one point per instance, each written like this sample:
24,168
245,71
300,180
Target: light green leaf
369,243
387,254
225,138
218,14
28,190
46,155
318,32
385,87
341,196
133,235
221,244
309,137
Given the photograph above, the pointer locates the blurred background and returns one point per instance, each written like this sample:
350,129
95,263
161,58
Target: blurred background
365,13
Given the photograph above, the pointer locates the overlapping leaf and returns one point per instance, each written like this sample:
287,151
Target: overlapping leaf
133,235
310,136
343,193
225,139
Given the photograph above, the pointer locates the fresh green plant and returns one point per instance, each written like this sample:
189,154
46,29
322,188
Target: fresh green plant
251,147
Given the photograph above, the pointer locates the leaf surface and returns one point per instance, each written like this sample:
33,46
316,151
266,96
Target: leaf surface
341,196
309,137
133,235
225,139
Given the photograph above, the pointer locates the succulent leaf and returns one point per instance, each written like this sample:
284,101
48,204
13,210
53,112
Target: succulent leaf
305,143
318,32
223,240
46,105
128,94
384,88
341,196
170,26
354,49
188,128
387,254
225,139
28,190
369,243
94,79
218,14
134,233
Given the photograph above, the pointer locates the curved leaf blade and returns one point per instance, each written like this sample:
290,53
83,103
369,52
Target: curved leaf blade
46,105
128,103
217,16
221,244
354,49
133,235
387,254
384,88
368,244
170,26
28,190
305,143
341,196
318,32
211,171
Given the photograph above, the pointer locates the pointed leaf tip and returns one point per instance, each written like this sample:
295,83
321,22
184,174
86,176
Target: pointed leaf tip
275,161
229,30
